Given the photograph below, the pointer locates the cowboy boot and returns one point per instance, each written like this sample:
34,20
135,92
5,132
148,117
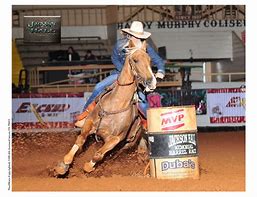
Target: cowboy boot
82,117
144,123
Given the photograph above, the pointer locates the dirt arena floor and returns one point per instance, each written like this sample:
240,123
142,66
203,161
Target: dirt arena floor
221,158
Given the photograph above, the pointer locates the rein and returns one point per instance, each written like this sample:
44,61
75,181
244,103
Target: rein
125,84
102,112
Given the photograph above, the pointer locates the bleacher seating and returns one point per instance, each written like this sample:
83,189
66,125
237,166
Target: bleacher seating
37,53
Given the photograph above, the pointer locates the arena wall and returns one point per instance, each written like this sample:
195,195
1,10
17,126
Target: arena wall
59,110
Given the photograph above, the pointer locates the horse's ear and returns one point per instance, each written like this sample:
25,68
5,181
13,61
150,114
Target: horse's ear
144,45
131,44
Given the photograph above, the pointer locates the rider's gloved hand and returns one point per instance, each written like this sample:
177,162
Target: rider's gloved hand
149,87
159,76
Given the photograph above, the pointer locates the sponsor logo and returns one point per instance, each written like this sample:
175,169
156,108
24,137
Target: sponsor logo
171,144
228,119
172,120
188,149
42,29
166,165
44,108
217,110
236,101
182,144
176,139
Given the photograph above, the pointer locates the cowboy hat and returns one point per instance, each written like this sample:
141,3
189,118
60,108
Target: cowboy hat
136,29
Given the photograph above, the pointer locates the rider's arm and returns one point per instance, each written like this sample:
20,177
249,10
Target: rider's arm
116,58
156,59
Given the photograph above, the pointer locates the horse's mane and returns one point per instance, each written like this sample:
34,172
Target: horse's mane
132,47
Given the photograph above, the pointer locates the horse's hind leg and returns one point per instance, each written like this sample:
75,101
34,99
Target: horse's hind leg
136,135
109,144
63,167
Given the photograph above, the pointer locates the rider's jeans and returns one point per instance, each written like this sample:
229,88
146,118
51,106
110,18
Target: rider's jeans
99,88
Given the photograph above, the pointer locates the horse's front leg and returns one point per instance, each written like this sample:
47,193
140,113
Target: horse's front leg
63,167
109,144
132,137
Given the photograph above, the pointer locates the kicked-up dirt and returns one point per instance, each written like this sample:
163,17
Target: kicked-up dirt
221,160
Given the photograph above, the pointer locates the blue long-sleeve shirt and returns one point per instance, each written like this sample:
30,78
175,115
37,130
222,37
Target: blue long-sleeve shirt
118,57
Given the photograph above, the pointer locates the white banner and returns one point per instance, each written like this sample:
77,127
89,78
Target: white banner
192,25
31,111
226,105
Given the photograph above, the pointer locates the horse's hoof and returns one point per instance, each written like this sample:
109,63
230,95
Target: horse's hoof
97,157
61,168
89,167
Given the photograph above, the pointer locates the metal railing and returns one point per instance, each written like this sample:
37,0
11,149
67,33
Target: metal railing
220,77
86,77
85,80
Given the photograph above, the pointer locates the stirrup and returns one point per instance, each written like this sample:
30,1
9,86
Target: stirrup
83,115
144,123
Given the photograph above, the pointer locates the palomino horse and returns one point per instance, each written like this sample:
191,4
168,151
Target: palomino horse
115,118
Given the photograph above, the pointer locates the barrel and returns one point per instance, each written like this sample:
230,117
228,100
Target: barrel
173,142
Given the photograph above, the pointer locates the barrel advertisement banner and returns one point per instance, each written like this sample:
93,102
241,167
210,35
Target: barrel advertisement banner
39,109
226,105
176,119
175,168
173,145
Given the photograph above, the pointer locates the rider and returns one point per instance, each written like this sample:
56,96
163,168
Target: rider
137,34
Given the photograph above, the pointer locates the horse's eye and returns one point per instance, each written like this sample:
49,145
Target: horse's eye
135,60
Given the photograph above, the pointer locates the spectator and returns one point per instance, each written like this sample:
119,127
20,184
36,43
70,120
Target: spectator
89,55
72,54
92,58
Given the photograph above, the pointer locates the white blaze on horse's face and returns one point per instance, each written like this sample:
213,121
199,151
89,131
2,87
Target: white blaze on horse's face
140,62
151,85
137,42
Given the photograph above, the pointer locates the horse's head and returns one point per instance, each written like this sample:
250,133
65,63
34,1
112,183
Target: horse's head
140,64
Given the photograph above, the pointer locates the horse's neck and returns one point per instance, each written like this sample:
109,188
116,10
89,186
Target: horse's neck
126,75
126,92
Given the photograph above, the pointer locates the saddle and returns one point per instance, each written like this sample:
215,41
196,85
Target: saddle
92,105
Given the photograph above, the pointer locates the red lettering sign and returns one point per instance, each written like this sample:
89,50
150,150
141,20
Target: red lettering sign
25,107
172,120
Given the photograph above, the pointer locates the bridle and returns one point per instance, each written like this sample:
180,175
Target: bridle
102,111
132,66
125,84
